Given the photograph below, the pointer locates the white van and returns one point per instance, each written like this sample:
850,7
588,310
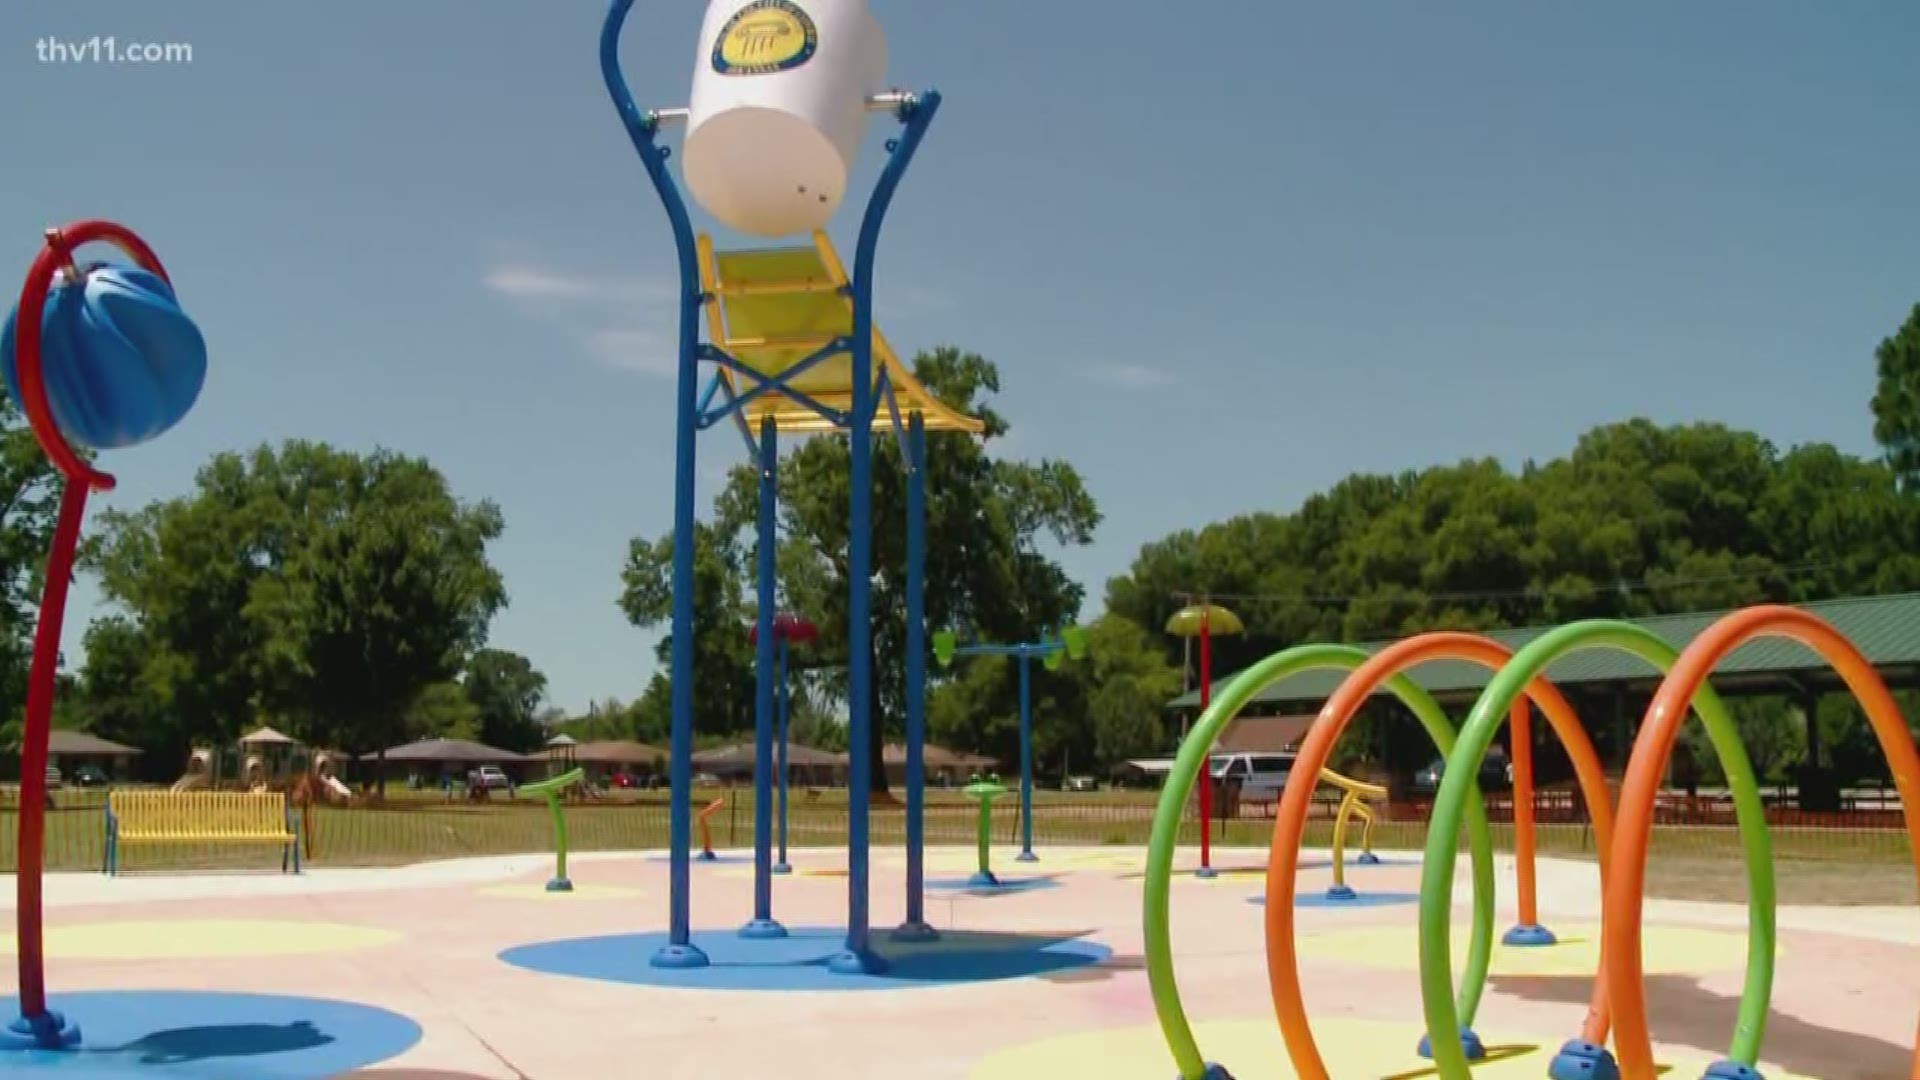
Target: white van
1262,776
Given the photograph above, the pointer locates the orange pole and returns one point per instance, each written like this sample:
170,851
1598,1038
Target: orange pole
1620,933
1520,725
706,830
1289,826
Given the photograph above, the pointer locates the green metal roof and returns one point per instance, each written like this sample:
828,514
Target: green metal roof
1885,628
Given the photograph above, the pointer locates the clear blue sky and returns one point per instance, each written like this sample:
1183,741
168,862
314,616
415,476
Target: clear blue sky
1300,239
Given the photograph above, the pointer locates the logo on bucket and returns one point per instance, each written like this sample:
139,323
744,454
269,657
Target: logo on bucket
764,37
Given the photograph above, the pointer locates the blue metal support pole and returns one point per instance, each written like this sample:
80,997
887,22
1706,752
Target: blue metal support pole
782,866
679,952
858,957
763,925
1026,758
916,927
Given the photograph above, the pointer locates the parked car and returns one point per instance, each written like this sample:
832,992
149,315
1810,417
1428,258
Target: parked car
90,776
491,777
1496,774
1079,783
1262,776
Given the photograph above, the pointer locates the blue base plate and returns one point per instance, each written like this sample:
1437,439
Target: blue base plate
803,960
186,1033
1360,900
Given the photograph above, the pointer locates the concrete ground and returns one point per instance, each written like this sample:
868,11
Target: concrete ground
424,942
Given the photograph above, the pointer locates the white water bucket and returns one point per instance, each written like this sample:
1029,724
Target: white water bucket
779,108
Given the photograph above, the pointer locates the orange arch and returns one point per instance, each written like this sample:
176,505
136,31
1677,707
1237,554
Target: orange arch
1620,933
1283,971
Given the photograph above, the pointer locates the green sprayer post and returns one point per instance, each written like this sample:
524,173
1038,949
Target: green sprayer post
551,789
985,790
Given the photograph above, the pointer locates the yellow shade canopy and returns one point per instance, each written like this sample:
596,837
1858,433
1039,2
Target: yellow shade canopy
771,309
1219,621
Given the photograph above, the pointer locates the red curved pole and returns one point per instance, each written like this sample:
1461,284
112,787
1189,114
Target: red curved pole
80,478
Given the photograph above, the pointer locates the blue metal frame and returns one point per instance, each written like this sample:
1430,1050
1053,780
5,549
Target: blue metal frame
763,925
916,115
1025,653
766,385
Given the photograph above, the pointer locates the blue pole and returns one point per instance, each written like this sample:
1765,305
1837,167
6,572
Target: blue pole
782,866
916,928
679,952
763,925
858,958
1026,760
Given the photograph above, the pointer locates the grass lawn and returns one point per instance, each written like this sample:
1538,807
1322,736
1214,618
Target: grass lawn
1827,866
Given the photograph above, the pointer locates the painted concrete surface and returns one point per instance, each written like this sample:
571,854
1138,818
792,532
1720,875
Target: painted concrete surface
430,942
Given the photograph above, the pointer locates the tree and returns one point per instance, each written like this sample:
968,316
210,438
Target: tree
1128,681
986,571
118,699
1896,401
506,692
29,501
1638,519
443,711
325,586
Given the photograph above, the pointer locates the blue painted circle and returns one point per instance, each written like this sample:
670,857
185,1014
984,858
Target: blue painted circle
213,1036
1006,885
1315,898
799,961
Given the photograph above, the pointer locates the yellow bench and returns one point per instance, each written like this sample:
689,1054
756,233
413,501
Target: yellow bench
204,817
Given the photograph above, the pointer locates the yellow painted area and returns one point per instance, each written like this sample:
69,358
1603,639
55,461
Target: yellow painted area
1253,1050
965,861
1669,950
798,872
771,309
537,890
193,939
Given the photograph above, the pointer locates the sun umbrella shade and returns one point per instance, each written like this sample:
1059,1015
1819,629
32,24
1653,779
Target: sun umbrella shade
1219,621
449,751
266,736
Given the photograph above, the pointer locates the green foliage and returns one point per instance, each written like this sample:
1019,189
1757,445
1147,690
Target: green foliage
324,586
506,692
443,711
1896,401
29,503
118,698
1638,520
986,521
1127,681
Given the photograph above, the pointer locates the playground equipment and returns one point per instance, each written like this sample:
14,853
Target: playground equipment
985,790
101,356
780,99
550,790
1070,644
789,630
1353,804
1203,621
1617,1001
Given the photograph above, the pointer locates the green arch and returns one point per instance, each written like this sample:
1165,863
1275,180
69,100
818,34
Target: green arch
1179,788
1482,724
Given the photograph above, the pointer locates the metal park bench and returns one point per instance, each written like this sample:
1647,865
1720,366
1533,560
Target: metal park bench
200,817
